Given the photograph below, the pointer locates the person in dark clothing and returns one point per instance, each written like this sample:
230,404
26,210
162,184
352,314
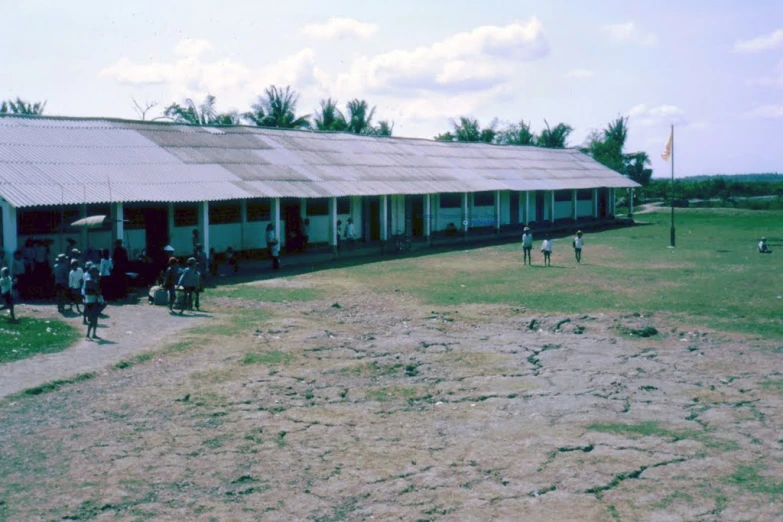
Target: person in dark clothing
92,299
121,262
170,278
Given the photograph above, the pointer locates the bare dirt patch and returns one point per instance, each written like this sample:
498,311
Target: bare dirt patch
375,406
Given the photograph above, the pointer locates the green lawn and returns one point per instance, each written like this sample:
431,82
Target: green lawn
31,336
715,274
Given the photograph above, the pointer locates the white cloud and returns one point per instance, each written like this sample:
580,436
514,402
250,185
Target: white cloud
336,28
761,43
579,74
470,61
661,115
769,81
192,77
628,33
767,111
191,48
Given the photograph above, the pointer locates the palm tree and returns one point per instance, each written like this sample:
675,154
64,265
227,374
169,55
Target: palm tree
277,108
22,107
329,118
191,113
636,167
384,128
617,131
554,138
446,136
359,116
517,134
469,130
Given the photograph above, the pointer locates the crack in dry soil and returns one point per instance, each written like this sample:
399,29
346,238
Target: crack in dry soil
327,413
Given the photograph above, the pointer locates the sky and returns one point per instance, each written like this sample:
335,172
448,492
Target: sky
713,69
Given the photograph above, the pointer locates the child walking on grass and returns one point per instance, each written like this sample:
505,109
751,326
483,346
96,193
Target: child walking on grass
527,246
546,249
577,244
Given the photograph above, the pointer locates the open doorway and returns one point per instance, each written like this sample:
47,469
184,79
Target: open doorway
416,211
602,200
513,202
539,206
371,216
291,214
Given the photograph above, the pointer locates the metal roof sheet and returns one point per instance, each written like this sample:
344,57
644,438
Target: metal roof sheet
51,161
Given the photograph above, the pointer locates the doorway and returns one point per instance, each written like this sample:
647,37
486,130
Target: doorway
416,211
539,206
514,207
602,203
290,211
156,229
371,214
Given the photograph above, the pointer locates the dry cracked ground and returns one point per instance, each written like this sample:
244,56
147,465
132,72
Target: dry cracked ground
378,407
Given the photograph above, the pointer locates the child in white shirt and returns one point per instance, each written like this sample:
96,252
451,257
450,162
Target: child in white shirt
6,295
546,249
578,244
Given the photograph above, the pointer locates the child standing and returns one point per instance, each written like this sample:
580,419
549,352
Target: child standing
546,249
92,304
6,287
231,259
577,244
527,246
188,281
170,278
276,256
75,282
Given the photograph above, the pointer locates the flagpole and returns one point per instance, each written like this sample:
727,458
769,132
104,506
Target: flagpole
672,239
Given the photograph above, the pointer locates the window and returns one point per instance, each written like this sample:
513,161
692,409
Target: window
224,213
33,222
484,199
185,215
259,210
134,218
344,205
584,195
563,195
451,200
318,207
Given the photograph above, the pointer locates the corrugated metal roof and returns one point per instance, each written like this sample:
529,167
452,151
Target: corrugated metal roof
51,161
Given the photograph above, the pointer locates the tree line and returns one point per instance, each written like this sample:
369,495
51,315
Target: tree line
715,187
277,108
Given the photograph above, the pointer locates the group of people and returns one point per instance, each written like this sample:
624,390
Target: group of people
191,279
547,247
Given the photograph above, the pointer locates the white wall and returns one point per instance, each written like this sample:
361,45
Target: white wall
483,216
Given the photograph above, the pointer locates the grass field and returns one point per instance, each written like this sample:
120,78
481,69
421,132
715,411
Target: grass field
644,384
714,275
31,336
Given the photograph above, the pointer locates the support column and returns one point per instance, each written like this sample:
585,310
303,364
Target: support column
303,209
630,203
595,203
242,223
10,231
465,215
428,218
552,207
527,207
118,221
574,204
497,212
203,223
333,232
384,211
275,217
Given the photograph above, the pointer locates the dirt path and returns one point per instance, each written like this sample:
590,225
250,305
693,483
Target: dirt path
649,207
125,332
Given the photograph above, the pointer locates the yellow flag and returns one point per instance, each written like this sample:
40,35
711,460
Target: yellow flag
667,151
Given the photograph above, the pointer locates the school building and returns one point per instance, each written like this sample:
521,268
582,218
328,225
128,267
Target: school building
159,181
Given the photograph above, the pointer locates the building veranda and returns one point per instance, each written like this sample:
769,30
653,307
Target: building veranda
158,182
